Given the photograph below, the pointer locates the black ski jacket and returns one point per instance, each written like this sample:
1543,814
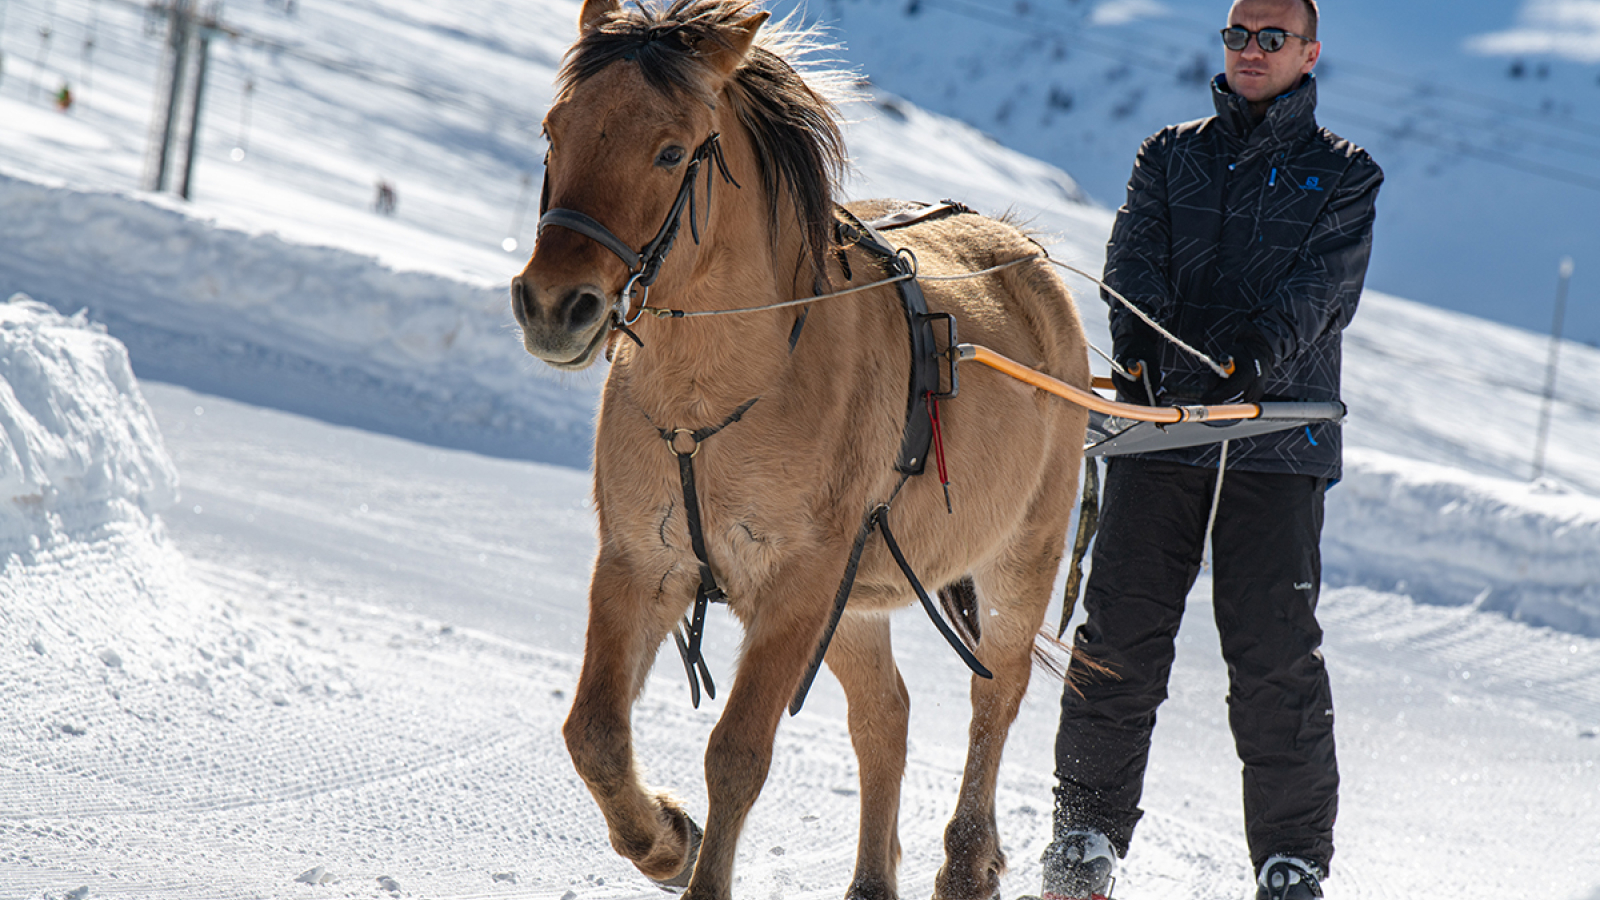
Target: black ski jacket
1227,226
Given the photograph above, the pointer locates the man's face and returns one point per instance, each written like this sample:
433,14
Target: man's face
1260,77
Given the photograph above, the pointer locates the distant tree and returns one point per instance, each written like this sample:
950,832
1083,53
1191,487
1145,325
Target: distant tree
1518,69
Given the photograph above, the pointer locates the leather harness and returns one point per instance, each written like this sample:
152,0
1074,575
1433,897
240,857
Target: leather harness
921,427
919,435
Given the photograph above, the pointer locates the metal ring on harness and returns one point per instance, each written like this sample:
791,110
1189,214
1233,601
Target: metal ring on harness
672,442
625,301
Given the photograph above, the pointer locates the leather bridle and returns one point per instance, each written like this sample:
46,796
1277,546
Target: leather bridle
645,264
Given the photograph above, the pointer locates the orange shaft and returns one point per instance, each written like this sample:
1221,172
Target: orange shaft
1091,400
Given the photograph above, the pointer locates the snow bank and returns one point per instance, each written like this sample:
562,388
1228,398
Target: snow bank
316,330
90,587
76,436
85,572
1443,536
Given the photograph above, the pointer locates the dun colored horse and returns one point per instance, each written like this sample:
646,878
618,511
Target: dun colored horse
790,421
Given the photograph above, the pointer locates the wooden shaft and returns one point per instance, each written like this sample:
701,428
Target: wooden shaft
1091,400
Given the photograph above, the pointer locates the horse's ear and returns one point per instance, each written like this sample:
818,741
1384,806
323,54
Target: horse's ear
724,58
594,13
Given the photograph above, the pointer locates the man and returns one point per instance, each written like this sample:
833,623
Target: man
1247,236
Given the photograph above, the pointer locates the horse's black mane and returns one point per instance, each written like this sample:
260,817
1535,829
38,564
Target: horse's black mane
796,133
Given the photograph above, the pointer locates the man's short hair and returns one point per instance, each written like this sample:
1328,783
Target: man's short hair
1312,16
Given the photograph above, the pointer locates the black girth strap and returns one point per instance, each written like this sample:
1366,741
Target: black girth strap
925,354
918,435
868,523
709,591
878,519
949,633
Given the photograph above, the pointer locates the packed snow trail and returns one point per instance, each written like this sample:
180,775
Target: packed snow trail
352,717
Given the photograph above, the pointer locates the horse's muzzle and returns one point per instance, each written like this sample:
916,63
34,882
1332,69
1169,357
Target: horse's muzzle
565,327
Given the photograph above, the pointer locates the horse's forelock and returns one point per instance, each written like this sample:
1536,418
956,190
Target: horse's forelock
798,142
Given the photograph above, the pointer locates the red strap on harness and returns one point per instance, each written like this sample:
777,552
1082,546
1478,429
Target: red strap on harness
938,448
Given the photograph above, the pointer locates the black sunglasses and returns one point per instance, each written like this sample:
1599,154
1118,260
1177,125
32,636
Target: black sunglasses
1270,40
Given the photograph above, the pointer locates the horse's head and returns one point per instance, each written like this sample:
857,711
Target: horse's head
633,147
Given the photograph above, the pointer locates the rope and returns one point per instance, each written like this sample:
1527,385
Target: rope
1212,364
695,314
802,301
964,276
1216,502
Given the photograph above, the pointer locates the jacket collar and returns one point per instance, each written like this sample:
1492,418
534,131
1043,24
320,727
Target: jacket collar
1290,114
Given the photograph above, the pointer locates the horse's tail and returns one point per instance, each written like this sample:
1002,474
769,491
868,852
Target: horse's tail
959,600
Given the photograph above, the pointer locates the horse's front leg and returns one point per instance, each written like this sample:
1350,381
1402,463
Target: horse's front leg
625,630
781,635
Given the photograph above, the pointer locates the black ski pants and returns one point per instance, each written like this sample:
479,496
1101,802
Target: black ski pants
1266,578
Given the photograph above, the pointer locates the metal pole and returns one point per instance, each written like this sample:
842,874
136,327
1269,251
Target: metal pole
194,113
178,45
4,4
1550,367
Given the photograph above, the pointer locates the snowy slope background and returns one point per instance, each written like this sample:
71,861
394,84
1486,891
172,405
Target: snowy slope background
1484,116
344,653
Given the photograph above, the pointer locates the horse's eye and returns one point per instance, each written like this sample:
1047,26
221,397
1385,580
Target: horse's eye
670,157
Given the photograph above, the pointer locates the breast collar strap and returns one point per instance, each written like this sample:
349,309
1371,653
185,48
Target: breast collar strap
691,631
644,265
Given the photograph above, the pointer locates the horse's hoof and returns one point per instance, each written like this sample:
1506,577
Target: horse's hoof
681,880
870,890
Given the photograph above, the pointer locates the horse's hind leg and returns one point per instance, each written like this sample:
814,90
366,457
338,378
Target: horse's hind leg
1020,590
863,661
623,637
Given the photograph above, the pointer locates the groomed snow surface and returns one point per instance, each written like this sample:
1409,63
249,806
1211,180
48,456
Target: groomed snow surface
296,613
339,666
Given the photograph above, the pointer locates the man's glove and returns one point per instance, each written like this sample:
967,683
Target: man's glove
1252,363
1139,352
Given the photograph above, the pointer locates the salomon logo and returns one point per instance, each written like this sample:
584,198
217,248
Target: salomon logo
1311,184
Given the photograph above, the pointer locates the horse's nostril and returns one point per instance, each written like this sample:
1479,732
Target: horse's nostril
584,306
519,302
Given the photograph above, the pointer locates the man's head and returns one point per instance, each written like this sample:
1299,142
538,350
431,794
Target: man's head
1258,76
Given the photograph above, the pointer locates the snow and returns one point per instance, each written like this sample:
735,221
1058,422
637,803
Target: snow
336,662
1567,29
1444,536
75,434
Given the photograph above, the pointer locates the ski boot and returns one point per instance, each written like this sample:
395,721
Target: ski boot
1289,878
1079,865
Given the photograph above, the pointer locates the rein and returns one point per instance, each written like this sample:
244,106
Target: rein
964,276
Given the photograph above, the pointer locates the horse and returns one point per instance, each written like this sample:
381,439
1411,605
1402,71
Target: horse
745,455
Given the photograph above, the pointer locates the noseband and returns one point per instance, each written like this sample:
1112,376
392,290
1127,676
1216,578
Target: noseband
645,264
